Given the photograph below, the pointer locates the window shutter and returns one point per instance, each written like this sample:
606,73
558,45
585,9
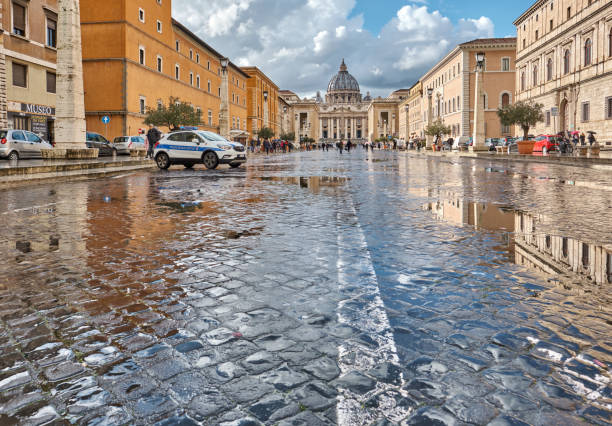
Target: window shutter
51,24
19,19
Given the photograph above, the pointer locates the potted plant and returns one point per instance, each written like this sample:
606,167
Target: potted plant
436,130
525,115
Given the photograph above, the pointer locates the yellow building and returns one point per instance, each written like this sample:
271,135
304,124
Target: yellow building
135,57
262,102
415,114
29,51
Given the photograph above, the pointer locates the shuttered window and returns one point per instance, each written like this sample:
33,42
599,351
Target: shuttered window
19,19
609,108
20,75
51,81
51,33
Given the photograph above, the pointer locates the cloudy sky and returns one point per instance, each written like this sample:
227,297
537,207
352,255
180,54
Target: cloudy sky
387,44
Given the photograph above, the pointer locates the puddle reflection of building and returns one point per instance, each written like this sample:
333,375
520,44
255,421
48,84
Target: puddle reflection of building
313,183
555,254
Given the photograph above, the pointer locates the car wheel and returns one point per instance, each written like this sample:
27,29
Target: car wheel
188,165
13,156
162,160
234,165
210,160
114,152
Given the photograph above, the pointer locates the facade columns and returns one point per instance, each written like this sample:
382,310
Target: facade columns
429,139
346,127
478,137
224,125
70,108
320,128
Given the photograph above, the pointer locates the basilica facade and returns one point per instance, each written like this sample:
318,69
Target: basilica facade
341,115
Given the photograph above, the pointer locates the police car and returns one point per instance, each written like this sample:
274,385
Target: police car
197,146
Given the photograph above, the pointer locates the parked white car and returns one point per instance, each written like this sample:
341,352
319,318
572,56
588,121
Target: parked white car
125,143
197,147
16,144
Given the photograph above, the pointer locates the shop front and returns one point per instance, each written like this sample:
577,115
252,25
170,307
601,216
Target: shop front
39,119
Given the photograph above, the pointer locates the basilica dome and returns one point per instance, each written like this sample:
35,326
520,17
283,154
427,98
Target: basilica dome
343,81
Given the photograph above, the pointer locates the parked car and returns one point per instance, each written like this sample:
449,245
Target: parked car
193,147
550,142
96,140
462,142
491,143
16,144
125,143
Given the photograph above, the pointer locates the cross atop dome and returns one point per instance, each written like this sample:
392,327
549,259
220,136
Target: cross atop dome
343,66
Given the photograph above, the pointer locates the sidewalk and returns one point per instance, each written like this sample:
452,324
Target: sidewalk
35,171
605,157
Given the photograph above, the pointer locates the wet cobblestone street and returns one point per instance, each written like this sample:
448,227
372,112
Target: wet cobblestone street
310,289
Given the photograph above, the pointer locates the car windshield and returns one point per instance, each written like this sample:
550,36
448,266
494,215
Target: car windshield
540,138
121,139
3,134
210,136
138,139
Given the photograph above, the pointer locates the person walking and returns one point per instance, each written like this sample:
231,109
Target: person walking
591,138
582,138
349,145
340,146
153,136
266,146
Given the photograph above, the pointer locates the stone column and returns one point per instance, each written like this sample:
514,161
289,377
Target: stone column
320,128
479,117
70,106
346,127
224,125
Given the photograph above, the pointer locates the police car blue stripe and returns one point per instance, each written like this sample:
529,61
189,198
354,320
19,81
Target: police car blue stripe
188,148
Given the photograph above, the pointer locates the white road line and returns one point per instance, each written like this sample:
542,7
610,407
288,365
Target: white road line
355,269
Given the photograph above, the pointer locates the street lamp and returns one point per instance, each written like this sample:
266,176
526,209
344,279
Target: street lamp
429,139
224,109
478,137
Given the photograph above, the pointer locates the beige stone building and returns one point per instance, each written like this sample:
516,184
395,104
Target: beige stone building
343,114
415,114
564,61
404,120
384,117
452,81
29,52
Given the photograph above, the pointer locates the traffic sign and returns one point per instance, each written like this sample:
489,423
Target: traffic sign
105,119
554,111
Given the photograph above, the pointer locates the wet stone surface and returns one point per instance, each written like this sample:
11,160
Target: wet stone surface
306,289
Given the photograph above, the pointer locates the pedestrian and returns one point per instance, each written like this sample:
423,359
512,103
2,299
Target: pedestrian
153,136
266,146
394,144
582,138
348,146
339,146
591,139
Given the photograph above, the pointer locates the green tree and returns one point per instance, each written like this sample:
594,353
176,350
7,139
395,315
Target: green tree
523,114
437,129
265,133
288,136
175,115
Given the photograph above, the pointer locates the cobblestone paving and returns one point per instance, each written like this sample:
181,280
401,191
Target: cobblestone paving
304,290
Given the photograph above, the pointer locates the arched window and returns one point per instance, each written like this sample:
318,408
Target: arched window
588,49
505,99
566,62
523,80
549,69
535,75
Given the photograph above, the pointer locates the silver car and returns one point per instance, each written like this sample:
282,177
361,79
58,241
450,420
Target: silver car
125,143
17,144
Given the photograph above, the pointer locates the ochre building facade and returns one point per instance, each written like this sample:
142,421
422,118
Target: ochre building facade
146,58
262,103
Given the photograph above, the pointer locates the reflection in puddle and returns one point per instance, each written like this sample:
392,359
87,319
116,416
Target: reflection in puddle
533,248
313,183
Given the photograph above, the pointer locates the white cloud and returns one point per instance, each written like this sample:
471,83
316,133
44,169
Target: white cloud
300,44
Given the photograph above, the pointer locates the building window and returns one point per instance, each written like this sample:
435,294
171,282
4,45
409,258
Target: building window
191,78
569,12
505,64
51,82
566,62
586,110
177,45
505,100
524,43
588,49
159,64
551,25
549,69
191,54
523,80
219,92
141,15
209,87
19,19
143,105
197,58
609,109
177,72
20,75
198,81
210,123
141,55
159,27
537,35
51,32
547,118
208,65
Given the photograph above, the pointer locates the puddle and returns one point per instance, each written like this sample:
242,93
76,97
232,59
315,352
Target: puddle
312,183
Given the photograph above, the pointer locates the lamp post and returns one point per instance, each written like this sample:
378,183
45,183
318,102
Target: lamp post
478,137
265,108
429,139
224,109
